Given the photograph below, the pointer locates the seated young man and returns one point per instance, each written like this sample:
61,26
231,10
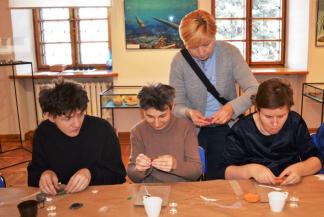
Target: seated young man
164,148
70,147
272,145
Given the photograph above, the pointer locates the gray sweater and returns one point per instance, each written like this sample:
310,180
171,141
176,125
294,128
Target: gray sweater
231,69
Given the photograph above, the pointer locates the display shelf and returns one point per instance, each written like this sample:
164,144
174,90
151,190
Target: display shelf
119,97
315,92
110,104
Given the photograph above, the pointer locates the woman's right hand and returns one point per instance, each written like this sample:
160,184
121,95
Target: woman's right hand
48,182
142,162
197,118
261,174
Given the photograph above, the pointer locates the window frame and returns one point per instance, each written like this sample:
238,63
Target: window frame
74,37
248,36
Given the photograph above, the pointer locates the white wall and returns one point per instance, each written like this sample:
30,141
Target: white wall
297,35
57,3
23,39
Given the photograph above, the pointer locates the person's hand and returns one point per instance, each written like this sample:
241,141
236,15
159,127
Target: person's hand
261,174
142,163
79,181
223,115
48,182
165,163
291,174
197,118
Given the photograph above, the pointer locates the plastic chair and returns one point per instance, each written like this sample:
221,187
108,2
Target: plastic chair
2,182
203,161
318,139
314,138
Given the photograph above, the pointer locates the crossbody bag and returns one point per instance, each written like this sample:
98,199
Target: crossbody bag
210,88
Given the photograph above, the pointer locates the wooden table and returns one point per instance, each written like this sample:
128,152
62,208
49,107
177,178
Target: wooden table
117,200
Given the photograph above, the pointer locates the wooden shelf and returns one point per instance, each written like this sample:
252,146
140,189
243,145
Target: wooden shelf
278,71
83,74
106,99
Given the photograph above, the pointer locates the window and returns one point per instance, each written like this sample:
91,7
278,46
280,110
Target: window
77,37
255,27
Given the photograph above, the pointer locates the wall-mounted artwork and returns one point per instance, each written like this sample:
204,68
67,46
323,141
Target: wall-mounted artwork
153,24
320,24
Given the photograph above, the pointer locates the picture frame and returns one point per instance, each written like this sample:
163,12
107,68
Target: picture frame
319,38
153,24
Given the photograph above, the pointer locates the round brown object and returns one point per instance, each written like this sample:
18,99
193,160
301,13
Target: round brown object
251,197
117,100
131,100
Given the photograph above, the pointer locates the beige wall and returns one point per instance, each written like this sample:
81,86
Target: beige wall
312,109
315,54
8,114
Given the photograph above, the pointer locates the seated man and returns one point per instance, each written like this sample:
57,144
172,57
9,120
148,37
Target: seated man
272,145
70,147
164,148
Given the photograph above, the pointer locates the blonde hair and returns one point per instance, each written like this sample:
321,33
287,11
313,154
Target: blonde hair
196,28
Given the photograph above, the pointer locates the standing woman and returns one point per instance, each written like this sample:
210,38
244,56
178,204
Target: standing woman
223,65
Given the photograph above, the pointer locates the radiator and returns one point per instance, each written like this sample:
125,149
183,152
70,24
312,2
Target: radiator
93,89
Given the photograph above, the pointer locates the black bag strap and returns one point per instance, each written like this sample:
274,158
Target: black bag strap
210,88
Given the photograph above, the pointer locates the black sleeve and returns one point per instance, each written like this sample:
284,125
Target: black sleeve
234,151
109,169
39,163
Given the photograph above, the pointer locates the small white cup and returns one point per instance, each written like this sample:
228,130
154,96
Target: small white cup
277,200
152,206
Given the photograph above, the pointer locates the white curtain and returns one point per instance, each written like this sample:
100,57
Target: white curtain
16,4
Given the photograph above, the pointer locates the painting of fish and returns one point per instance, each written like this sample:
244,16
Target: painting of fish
153,24
320,24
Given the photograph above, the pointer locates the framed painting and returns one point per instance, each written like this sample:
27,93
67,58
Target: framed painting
153,24
320,24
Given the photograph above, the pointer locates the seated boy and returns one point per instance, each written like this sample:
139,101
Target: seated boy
70,147
164,148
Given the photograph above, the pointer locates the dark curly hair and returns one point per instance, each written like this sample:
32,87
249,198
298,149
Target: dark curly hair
273,93
64,98
156,96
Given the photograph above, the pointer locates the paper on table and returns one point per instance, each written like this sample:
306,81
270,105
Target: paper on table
236,187
162,191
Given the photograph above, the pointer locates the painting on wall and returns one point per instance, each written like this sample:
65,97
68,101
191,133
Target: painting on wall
153,24
320,24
